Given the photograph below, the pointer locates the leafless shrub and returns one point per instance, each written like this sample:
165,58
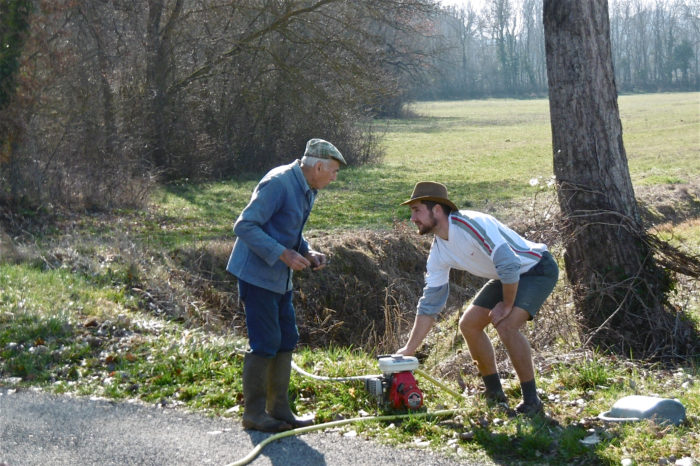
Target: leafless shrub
396,326
113,95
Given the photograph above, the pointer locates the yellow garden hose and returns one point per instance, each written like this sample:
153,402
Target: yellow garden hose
332,379
363,377
439,383
302,430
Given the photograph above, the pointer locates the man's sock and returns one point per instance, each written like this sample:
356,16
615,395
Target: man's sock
493,384
529,390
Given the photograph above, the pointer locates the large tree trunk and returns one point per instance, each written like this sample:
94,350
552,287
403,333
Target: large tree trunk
619,291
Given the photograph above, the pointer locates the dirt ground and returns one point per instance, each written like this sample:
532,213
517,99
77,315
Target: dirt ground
670,203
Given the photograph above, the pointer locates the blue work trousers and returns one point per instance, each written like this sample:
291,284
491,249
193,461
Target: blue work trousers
270,319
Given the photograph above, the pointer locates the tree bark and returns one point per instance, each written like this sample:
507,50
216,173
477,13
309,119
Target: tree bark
619,291
158,73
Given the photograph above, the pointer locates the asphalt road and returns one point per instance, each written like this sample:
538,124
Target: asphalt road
38,428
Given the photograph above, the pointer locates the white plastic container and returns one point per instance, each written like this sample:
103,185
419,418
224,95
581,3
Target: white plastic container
637,407
397,363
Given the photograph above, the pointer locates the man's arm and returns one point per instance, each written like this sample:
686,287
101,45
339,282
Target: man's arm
503,309
249,225
429,305
508,268
421,327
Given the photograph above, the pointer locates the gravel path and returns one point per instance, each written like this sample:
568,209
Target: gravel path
38,428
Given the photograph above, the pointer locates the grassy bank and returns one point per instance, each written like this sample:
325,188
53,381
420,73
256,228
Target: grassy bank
135,305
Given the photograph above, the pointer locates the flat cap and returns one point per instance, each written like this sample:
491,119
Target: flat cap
322,149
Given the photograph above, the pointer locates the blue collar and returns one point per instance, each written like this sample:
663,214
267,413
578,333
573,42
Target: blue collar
301,179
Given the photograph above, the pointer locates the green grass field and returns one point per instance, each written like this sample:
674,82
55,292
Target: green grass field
78,313
485,151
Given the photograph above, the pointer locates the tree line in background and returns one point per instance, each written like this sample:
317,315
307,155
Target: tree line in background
106,96
499,51
101,99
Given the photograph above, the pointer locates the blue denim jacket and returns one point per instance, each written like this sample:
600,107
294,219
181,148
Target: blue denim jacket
272,221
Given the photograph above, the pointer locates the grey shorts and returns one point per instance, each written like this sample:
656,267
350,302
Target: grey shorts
533,289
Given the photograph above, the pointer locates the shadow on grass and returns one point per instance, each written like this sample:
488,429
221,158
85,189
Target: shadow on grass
538,440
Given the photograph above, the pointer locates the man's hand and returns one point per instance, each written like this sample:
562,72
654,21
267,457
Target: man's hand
502,310
294,260
318,260
499,312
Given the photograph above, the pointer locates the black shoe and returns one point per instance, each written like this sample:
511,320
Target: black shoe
494,397
530,409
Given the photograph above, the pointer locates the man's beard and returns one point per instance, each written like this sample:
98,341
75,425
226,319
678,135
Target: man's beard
425,228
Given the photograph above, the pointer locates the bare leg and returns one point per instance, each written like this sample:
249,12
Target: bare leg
472,325
516,344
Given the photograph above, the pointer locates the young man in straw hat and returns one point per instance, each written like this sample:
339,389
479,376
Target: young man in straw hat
522,275
269,247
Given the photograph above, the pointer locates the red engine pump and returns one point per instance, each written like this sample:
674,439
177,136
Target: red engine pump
396,387
404,391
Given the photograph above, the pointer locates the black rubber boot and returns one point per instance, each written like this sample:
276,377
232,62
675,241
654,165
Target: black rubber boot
280,370
255,384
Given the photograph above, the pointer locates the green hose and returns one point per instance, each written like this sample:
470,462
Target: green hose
439,384
302,430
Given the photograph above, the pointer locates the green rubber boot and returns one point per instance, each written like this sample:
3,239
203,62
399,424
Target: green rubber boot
280,370
255,384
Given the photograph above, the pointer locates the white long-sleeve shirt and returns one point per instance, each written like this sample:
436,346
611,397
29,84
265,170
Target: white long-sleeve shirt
481,245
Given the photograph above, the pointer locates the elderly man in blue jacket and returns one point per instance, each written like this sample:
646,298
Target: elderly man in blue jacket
269,247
